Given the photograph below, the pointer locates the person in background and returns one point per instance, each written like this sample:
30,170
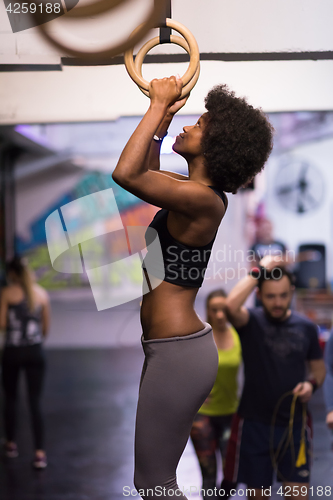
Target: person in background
211,427
328,384
278,346
265,243
25,317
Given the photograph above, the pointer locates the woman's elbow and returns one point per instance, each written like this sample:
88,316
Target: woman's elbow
121,179
126,181
116,177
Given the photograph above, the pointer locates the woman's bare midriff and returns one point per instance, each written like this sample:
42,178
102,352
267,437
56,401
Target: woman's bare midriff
168,311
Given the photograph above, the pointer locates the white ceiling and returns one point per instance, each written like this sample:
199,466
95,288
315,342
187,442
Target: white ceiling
106,92
218,25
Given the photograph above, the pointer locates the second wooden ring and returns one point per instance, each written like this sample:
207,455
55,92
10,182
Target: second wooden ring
134,70
178,40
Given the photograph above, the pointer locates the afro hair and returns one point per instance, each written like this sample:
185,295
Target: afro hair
237,140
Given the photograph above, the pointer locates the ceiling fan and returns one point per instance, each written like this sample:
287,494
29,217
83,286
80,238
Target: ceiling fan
299,186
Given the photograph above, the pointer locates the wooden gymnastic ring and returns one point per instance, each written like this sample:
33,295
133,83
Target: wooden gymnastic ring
151,21
193,50
190,46
139,58
178,40
185,90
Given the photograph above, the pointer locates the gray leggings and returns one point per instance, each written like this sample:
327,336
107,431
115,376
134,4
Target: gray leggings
177,376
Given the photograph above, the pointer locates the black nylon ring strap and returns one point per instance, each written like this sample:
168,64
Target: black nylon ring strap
165,32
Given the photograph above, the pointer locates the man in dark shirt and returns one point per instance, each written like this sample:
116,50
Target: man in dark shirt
278,346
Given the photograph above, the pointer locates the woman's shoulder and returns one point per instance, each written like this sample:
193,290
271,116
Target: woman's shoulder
220,196
40,293
225,199
11,292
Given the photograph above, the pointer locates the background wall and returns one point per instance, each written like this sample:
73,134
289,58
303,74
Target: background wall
314,226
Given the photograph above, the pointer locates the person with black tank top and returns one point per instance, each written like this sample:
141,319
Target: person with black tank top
24,316
224,149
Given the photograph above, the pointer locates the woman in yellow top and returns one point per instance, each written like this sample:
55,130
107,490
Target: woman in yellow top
211,426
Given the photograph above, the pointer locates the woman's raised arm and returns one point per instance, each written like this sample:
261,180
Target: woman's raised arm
133,160
173,192
153,156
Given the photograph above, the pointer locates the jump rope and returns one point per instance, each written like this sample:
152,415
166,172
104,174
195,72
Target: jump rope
287,439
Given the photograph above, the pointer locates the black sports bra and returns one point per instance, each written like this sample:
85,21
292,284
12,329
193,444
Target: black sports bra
184,265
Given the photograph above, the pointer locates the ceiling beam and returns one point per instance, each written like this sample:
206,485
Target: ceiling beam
176,58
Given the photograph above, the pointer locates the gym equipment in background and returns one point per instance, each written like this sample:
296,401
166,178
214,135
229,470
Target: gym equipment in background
311,271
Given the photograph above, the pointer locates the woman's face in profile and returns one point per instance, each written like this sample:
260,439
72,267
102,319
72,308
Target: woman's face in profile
189,142
216,312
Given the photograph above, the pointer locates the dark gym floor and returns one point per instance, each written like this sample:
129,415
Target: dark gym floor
89,402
